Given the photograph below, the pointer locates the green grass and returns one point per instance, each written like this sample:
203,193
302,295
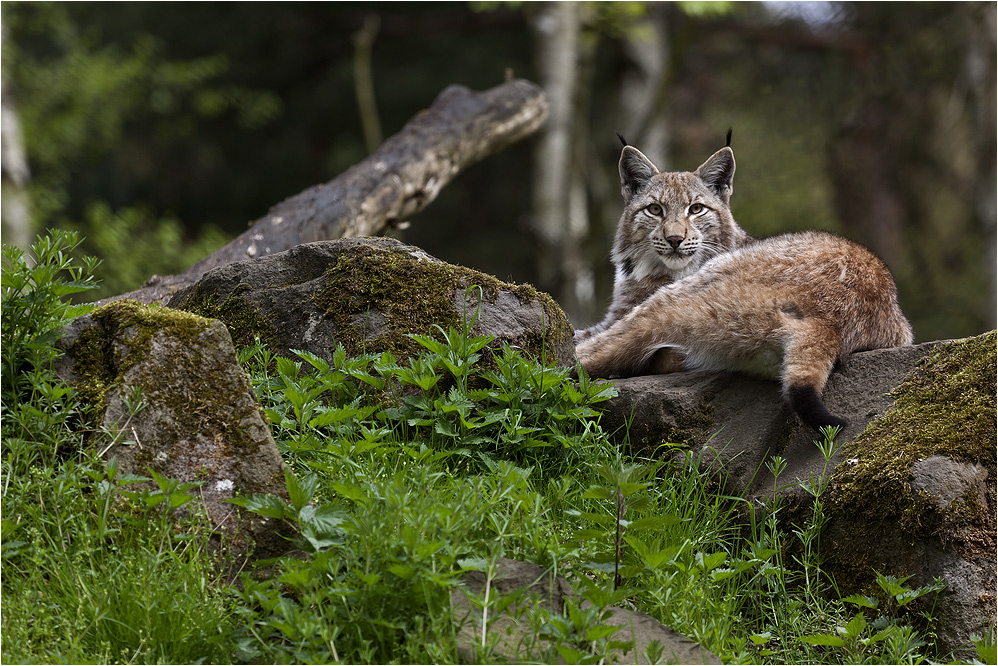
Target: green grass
403,474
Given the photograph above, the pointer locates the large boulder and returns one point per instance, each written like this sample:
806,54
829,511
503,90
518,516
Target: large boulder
369,294
914,483
508,634
199,420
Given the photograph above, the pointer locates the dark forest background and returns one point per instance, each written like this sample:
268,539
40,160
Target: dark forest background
159,130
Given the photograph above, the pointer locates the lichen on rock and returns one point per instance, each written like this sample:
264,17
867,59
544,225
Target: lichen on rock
946,408
916,495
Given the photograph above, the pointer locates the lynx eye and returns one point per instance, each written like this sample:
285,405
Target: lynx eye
654,209
697,208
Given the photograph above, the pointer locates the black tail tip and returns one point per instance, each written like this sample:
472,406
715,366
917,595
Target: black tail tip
623,141
808,405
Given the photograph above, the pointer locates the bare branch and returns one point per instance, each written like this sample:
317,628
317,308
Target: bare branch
462,127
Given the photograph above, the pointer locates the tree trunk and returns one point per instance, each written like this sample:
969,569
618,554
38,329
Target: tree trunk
461,128
644,86
560,218
15,215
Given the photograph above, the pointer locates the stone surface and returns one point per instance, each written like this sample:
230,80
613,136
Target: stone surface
947,480
508,631
369,294
201,420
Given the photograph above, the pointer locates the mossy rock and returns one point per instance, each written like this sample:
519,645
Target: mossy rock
917,495
200,420
370,294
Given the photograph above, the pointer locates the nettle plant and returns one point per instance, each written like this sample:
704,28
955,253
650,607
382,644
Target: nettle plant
37,406
521,410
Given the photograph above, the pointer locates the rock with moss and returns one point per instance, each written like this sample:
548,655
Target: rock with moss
917,493
914,474
167,394
370,294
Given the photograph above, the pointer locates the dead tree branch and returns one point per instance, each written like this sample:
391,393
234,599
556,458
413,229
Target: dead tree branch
405,174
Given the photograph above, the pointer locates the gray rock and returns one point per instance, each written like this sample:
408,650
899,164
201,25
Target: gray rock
947,480
201,420
368,294
738,422
508,632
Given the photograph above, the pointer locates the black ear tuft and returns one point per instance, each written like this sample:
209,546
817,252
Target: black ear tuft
727,139
623,141
635,171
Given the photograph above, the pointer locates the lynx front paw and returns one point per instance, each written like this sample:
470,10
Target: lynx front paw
592,359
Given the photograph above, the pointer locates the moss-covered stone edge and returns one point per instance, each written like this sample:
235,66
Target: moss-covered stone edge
946,406
244,321
406,290
100,367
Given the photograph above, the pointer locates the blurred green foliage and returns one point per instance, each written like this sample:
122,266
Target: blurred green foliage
159,129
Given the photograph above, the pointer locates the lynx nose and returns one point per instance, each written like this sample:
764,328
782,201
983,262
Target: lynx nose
674,241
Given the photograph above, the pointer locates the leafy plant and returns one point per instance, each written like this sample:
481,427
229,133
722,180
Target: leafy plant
36,405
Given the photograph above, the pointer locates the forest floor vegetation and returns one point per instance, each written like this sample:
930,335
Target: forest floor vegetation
402,475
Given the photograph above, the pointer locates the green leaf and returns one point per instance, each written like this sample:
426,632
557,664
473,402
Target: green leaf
179,499
861,600
987,648
712,561
598,492
350,491
891,585
823,639
403,571
600,631
325,518
723,574
300,491
856,625
268,506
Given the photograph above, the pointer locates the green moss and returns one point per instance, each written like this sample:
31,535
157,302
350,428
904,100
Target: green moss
945,407
695,427
690,429
402,294
242,319
95,354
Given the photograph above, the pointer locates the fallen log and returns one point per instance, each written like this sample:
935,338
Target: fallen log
406,173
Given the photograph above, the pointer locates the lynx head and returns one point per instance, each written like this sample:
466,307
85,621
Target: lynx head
673,222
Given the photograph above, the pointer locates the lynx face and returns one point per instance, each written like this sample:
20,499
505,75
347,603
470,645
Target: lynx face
672,224
670,227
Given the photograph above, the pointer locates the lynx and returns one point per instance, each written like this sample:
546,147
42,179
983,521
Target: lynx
672,223
787,307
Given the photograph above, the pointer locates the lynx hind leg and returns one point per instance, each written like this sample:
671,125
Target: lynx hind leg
809,356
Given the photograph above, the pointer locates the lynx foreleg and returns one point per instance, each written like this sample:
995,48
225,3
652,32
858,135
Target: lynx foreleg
632,346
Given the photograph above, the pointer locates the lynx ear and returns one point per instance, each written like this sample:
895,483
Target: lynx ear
718,172
635,171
